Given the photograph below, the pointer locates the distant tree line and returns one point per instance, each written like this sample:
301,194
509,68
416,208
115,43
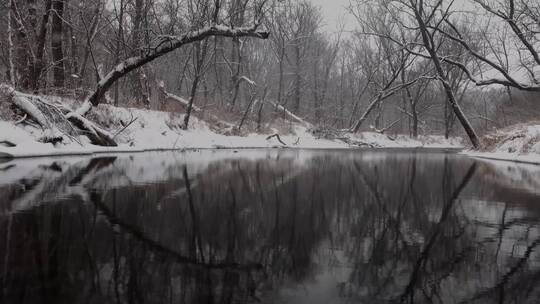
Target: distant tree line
408,66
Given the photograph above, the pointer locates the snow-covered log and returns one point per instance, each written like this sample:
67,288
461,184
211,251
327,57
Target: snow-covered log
54,122
164,45
184,103
97,135
291,115
47,115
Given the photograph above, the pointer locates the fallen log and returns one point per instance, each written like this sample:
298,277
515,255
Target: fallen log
49,117
7,143
53,121
97,135
291,115
166,95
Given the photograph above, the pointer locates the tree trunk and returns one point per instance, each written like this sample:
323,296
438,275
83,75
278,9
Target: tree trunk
280,80
119,40
37,64
429,44
236,57
218,71
201,49
73,58
237,11
192,96
316,91
11,50
414,120
447,118
368,111
259,116
90,34
298,79
139,78
341,115
22,47
56,43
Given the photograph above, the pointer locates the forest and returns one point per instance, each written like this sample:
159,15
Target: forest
270,151
464,68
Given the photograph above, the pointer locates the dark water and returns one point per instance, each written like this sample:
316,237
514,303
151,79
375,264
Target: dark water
269,227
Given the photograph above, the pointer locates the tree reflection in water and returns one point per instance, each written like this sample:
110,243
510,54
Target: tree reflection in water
302,227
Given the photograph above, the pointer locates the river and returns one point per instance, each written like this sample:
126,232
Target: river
269,226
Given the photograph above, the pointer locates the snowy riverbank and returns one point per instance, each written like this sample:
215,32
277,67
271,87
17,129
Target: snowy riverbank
519,143
155,130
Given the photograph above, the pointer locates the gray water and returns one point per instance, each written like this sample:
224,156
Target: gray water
269,227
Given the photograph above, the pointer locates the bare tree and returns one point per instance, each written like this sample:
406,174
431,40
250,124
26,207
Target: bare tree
163,45
56,42
424,18
32,39
199,68
521,17
11,47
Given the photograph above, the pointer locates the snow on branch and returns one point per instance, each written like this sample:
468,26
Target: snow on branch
291,115
162,46
180,100
246,79
508,79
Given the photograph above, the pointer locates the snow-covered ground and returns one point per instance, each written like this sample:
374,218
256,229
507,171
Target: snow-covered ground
518,144
155,130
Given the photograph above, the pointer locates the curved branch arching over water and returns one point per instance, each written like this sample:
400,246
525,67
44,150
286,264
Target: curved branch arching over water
165,45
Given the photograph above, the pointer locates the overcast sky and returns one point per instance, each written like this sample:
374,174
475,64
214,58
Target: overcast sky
334,11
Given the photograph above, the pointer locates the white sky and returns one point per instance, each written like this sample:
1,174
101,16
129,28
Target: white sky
334,12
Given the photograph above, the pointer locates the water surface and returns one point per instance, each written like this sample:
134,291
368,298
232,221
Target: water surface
269,227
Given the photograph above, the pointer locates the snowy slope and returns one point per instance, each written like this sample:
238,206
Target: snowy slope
155,130
518,143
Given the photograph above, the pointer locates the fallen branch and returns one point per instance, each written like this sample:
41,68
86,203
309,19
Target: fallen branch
278,138
7,143
97,135
291,115
176,98
384,94
358,143
125,126
22,119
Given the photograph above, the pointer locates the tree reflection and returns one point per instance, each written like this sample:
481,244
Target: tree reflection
396,227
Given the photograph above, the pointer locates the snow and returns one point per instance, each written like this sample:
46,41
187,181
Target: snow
298,119
157,131
519,144
529,158
53,176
